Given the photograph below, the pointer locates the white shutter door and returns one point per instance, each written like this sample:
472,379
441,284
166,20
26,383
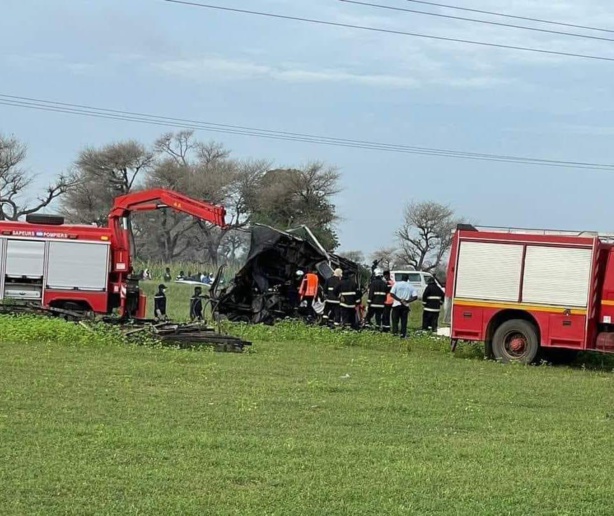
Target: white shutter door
2,273
25,258
489,271
78,265
557,276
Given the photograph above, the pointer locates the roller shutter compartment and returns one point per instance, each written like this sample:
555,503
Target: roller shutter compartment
557,276
78,266
489,271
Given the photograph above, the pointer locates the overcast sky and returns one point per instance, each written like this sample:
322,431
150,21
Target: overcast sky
172,60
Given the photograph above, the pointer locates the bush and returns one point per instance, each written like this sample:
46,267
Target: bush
26,329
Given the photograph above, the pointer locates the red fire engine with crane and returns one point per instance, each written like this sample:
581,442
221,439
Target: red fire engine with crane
523,292
85,268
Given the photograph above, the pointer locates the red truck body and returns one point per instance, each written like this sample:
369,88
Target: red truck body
522,291
85,268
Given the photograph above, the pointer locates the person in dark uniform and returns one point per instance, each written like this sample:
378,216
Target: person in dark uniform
196,305
386,316
331,310
432,299
160,303
349,299
378,290
167,274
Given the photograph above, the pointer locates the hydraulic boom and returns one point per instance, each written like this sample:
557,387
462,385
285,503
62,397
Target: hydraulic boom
119,222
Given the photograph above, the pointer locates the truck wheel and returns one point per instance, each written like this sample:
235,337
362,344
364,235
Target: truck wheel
515,341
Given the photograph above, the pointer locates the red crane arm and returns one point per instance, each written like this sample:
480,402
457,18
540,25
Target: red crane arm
150,200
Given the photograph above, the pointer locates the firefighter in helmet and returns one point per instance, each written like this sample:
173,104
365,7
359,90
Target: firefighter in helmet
378,290
432,299
331,310
349,300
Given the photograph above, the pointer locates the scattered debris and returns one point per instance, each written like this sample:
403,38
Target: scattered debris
181,335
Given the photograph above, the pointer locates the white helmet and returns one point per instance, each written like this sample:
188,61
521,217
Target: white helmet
379,273
300,273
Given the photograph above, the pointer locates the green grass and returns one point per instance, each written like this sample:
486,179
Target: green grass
177,298
317,424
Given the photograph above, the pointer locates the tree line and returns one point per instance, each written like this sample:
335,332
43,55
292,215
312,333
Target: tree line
252,190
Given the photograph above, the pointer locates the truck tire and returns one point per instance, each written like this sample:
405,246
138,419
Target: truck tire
515,341
43,219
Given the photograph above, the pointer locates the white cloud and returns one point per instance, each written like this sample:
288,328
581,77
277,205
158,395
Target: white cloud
210,69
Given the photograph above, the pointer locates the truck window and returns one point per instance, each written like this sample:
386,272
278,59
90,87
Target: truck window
414,277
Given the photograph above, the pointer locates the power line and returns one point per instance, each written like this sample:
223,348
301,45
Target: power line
129,116
505,15
389,31
474,20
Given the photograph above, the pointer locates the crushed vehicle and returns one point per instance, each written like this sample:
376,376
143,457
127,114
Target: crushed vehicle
266,288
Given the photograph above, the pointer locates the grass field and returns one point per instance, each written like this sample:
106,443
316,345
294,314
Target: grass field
177,297
306,423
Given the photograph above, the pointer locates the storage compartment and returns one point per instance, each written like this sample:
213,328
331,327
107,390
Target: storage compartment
78,266
557,276
2,262
489,271
25,259
567,330
23,291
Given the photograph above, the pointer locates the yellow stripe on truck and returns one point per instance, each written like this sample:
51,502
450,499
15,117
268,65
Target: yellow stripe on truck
519,306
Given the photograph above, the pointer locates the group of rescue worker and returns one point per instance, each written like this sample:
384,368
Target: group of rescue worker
339,301
387,302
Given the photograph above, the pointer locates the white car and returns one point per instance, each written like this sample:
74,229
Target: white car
416,278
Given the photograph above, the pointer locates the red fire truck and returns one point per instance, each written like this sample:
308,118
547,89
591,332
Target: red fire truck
523,292
85,268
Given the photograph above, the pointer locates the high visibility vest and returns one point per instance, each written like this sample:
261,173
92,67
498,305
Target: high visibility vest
389,298
309,286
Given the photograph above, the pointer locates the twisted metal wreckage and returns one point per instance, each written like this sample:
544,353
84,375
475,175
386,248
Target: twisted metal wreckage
263,291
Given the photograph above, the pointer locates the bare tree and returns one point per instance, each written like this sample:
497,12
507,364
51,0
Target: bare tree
103,174
212,152
292,197
204,171
426,234
176,146
354,256
237,186
117,164
386,256
16,180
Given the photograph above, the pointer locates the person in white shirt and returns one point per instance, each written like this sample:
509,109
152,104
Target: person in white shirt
403,294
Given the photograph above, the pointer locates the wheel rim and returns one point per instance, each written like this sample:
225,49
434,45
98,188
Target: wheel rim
516,345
